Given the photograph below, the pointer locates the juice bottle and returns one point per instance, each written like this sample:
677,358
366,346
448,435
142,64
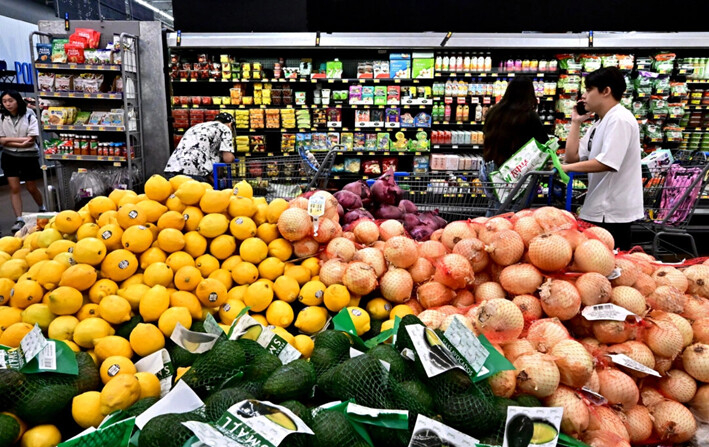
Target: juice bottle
459,63
488,63
438,63
447,113
466,62
446,62
481,63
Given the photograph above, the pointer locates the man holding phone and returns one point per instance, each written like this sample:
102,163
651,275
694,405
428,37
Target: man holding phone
610,154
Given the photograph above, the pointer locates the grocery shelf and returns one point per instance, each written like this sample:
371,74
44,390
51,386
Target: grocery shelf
241,40
303,107
80,128
697,81
301,81
79,67
493,74
81,95
457,146
71,157
518,40
458,123
382,153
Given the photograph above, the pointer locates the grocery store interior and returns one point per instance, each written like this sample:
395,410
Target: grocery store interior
292,220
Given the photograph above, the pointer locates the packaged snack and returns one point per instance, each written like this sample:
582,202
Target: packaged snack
335,115
388,162
372,167
82,118
644,82
377,117
659,108
91,82
92,37
338,167
359,141
368,94
383,141
653,132
639,108
380,95
58,53
664,62
421,164
400,65
422,66
362,118
45,82
407,120
393,94
661,85
44,52
423,119
347,140
381,69
400,142
352,165
355,94
370,142
393,115
333,138
62,82
74,52
679,89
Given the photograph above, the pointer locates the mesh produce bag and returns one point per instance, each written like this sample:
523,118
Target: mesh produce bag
88,378
362,378
210,370
167,430
304,413
330,348
222,400
399,368
9,430
10,383
261,366
292,381
332,429
41,398
180,356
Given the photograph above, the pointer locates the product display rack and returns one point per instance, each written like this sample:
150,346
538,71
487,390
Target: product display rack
130,132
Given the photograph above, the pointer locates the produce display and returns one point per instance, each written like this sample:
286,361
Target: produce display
194,309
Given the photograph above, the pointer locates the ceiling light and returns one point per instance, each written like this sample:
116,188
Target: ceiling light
153,8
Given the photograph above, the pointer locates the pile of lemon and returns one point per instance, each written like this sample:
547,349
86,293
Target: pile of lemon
176,253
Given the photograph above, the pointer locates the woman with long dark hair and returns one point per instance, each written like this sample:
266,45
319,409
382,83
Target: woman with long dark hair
508,126
19,130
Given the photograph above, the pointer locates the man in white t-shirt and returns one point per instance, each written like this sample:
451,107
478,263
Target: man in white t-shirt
610,154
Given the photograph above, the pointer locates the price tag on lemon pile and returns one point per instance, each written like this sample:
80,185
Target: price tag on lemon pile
624,360
607,311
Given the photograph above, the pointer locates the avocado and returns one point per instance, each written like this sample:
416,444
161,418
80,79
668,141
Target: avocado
520,430
292,381
9,430
543,432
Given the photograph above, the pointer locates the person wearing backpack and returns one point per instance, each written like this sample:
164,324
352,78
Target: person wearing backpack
509,124
610,154
19,130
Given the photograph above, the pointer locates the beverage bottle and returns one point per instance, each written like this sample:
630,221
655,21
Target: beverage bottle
446,62
478,113
438,63
466,113
474,64
466,62
447,113
459,63
481,63
488,63
448,89
459,113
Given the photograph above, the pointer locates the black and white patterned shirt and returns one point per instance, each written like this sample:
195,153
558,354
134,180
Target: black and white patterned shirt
199,149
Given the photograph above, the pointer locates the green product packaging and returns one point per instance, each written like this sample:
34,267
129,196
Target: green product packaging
114,435
37,354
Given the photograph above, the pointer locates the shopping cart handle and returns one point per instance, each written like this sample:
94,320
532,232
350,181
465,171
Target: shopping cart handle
370,182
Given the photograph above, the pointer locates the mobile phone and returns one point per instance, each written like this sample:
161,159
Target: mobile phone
581,108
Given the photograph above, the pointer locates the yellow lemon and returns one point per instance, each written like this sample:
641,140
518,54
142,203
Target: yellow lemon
193,216
215,201
169,319
222,246
171,219
68,221
312,293
117,194
115,365
120,393
271,268
21,254
174,204
134,279
229,263
26,292
245,273
275,209
57,247
182,298
87,230
360,318
281,249
354,300
88,310
259,216
157,188
14,333
79,276
62,328
73,346
179,259
379,308
178,180
146,338
109,217
284,334
229,310
206,264
400,311
111,235
279,313
137,238
304,344
237,292
312,264
158,273
36,256
243,189
213,225
187,278
90,251
129,215
9,316
154,303
90,330
50,274
253,250
267,232
258,296
47,236
152,209
223,276
242,227
153,229
300,273
171,240
241,207
41,436
260,319
151,256
286,288
110,346
149,385
10,244
119,265
195,244
86,409
39,314
181,371
114,309
336,298
311,319
6,286
13,269
211,292
129,197
190,192
134,293
99,205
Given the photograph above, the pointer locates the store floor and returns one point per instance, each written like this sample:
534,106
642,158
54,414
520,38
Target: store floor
7,217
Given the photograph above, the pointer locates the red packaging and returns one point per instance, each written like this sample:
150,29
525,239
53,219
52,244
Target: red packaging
196,100
389,162
372,167
92,37
74,52
206,100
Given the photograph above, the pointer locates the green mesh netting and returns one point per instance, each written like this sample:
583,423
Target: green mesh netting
251,348
9,430
139,407
292,381
210,370
88,378
261,366
304,413
179,356
382,436
10,383
167,430
399,368
222,400
332,429
362,378
330,348
42,397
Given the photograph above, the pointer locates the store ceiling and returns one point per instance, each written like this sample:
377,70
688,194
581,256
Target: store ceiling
161,8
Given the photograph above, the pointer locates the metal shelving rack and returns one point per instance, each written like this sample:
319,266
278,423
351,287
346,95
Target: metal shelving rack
131,132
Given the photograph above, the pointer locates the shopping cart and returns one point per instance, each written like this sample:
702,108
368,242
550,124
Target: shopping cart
285,176
457,197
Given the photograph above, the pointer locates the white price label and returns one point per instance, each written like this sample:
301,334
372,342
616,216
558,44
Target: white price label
614,274
606,312
371,412
194,342
247,327
316,205
3,359
467,344
434,355
430,432
33,343
47,358
624,360
594,397
525,423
